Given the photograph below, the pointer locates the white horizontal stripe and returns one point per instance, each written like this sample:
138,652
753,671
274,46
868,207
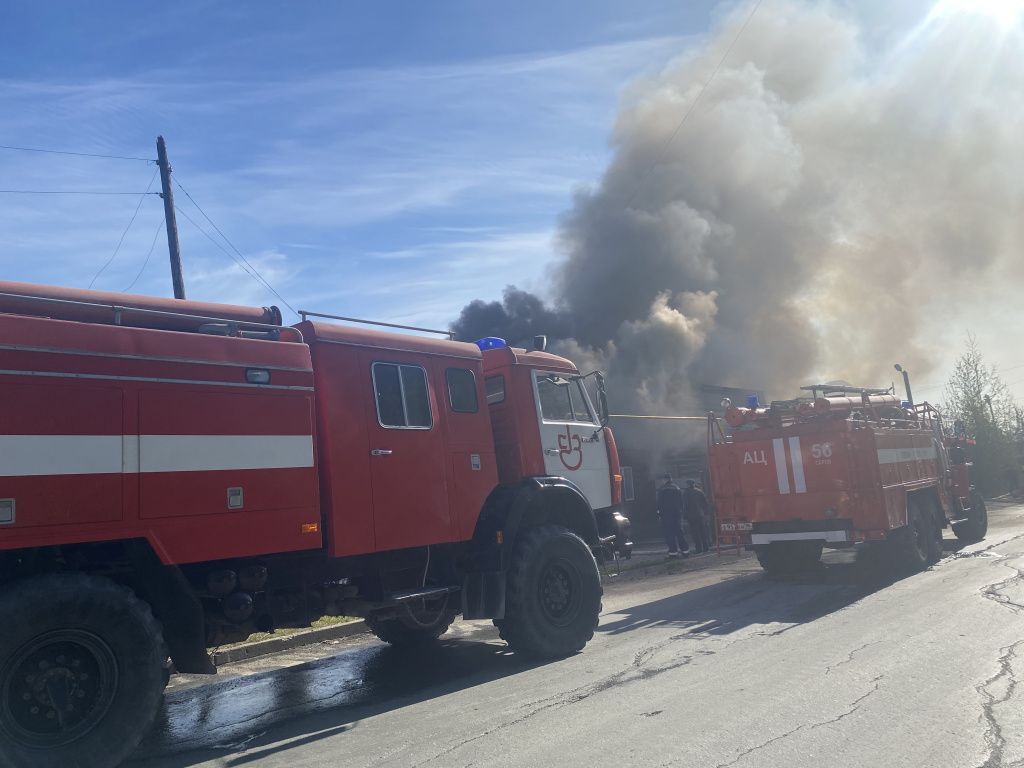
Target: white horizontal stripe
103,377
34,455
198,453
899,455
767,538
31,455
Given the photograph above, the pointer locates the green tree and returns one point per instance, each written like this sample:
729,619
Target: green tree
976,396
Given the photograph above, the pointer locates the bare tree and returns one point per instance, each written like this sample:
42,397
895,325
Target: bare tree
977,397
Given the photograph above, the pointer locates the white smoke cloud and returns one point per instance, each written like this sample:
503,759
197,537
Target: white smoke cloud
822,211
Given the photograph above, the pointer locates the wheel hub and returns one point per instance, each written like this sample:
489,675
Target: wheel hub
57,688
559,592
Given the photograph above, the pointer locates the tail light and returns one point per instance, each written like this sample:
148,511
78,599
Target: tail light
614,468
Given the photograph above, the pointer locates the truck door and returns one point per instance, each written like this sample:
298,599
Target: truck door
571,437
407,454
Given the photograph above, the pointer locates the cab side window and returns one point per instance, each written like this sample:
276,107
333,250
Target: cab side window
403,400
462,390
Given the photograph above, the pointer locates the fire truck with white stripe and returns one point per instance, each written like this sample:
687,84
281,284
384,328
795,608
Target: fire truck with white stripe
840,468
176,475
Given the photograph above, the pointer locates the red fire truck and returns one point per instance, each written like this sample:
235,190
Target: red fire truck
175,475
839,468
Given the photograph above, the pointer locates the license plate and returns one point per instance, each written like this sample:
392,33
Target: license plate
737,526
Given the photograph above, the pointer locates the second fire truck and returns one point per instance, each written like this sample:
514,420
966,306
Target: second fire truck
838,468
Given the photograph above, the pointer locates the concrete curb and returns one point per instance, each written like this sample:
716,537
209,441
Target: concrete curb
289,642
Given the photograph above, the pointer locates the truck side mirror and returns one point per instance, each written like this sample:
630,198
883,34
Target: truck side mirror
602,398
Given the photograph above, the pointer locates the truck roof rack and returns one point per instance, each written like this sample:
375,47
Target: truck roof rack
305,314
120,315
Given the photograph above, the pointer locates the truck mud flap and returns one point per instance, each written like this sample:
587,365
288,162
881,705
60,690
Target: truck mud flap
483,595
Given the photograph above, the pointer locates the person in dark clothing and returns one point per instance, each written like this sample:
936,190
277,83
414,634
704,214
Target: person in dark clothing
696,510
670,510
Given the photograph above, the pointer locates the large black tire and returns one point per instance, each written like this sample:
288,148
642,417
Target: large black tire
82,672
553,597
789,558
976,526
915,546
413,628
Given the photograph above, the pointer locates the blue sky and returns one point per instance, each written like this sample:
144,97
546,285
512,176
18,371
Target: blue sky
390,160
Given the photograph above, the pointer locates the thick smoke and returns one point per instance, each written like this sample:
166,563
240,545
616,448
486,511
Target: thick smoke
822,211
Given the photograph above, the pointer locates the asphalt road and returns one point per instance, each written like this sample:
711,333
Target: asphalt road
721,667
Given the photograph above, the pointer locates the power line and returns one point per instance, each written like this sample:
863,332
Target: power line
131,221
76,154
145,264
249,270
68,192
693,105
255,272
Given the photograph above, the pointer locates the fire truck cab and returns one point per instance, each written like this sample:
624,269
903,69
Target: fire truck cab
177,475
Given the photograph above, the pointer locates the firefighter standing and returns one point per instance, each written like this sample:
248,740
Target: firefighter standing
670,510
696,510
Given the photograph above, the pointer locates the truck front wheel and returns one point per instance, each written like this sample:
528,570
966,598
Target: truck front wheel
82,672
976,525
553,600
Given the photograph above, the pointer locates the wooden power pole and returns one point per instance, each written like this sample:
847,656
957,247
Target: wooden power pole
169,218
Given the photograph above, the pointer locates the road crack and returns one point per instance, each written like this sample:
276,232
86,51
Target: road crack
849,656
994,737
851,709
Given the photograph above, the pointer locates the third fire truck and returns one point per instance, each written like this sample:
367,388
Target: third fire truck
838,468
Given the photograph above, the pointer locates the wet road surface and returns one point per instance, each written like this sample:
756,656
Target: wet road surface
720,667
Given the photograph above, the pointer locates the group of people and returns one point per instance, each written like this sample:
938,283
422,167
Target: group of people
676,505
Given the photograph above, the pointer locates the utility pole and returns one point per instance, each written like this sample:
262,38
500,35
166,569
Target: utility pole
169,218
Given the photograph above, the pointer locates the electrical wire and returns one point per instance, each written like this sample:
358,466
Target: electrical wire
76,154
145,264
252,270
68,192
124,234
693,105
241,263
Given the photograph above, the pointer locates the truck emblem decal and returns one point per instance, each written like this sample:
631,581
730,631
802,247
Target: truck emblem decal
569,444
755,457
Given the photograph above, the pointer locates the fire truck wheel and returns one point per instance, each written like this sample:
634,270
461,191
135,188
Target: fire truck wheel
553,600
416,628
82,663
976,526
913,546
788,558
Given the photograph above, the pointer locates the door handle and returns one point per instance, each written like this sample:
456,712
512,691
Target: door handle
381,452
551,451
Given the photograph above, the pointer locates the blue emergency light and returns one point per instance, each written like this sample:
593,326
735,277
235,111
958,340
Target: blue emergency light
752,402
490,342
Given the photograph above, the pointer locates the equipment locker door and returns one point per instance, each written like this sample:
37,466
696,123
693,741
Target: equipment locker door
408,464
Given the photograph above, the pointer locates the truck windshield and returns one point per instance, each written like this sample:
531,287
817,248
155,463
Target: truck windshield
562,399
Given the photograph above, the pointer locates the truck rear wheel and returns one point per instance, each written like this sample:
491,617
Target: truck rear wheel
915,546
415,627
787,558
82,672
553,600
976,525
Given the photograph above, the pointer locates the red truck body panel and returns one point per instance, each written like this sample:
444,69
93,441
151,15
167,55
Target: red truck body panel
119,432
828,474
